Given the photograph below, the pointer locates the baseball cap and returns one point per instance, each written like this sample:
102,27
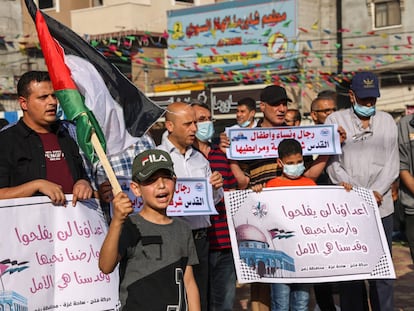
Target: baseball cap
365,84
150,161
273,94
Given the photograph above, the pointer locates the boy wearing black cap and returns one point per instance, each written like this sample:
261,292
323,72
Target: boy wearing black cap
159,250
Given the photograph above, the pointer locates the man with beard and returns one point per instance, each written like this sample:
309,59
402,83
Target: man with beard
37,154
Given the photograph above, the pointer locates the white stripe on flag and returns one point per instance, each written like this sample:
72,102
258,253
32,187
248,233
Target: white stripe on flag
98,99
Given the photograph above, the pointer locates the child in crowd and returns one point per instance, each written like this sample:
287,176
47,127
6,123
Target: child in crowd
291,161
159,250
290,296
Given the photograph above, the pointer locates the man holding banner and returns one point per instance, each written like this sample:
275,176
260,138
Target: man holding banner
273,104
37,154
370,160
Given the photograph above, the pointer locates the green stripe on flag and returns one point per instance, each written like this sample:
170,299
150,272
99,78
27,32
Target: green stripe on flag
72,103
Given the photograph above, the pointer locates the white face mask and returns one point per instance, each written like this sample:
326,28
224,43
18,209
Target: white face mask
364,111
205,130
245,123
293,171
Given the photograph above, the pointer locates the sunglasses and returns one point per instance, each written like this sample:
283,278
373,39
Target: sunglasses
362,136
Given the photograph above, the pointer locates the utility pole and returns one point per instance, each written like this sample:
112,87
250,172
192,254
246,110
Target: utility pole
339,50
342,99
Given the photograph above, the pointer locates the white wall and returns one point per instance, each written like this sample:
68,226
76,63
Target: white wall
118,15
11,28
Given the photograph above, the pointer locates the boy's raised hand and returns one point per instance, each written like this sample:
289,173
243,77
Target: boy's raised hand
122,206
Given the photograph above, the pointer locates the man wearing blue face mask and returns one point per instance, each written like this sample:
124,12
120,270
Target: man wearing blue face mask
369,159
222,274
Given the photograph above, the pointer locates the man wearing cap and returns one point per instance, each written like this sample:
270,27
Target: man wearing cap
273,104
370,160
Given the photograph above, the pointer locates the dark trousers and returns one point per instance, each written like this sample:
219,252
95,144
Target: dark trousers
354,294
201,270
223,278
409,233
324,296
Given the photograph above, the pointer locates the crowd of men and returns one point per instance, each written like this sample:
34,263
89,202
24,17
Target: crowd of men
38,156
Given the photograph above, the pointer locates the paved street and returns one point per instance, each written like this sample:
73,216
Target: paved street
404,296
404,286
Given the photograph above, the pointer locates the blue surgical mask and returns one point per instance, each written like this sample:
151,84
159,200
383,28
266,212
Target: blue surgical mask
293,171
364,111
245,124
205,130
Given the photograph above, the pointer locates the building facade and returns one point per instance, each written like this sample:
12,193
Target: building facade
331,40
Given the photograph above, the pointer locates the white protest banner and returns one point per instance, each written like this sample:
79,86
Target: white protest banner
307,235
193,196
125,182
49,257
260,143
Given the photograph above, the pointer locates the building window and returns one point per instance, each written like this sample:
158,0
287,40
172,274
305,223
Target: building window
187,1
46,4
387,13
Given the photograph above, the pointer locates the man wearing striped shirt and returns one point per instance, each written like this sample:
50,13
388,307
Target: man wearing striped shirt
222,274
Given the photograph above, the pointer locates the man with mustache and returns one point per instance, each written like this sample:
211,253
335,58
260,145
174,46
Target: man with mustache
37,154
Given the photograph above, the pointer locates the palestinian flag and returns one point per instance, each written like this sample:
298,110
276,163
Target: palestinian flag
121,109
280,233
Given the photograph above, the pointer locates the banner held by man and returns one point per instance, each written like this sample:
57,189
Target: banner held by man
307,235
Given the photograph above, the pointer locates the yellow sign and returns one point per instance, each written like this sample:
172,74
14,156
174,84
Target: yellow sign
229,58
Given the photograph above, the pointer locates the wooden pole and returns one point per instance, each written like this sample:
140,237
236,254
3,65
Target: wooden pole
116,187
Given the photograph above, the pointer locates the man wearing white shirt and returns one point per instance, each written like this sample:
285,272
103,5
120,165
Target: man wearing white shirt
181,125
369,159
246,110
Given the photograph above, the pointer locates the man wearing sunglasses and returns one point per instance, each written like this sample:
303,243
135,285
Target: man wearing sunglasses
370,160
321,107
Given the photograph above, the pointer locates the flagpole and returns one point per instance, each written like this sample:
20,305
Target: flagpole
116,187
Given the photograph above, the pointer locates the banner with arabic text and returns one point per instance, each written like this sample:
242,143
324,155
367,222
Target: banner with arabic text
49,257
232,35
260,142
193,196
307,235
